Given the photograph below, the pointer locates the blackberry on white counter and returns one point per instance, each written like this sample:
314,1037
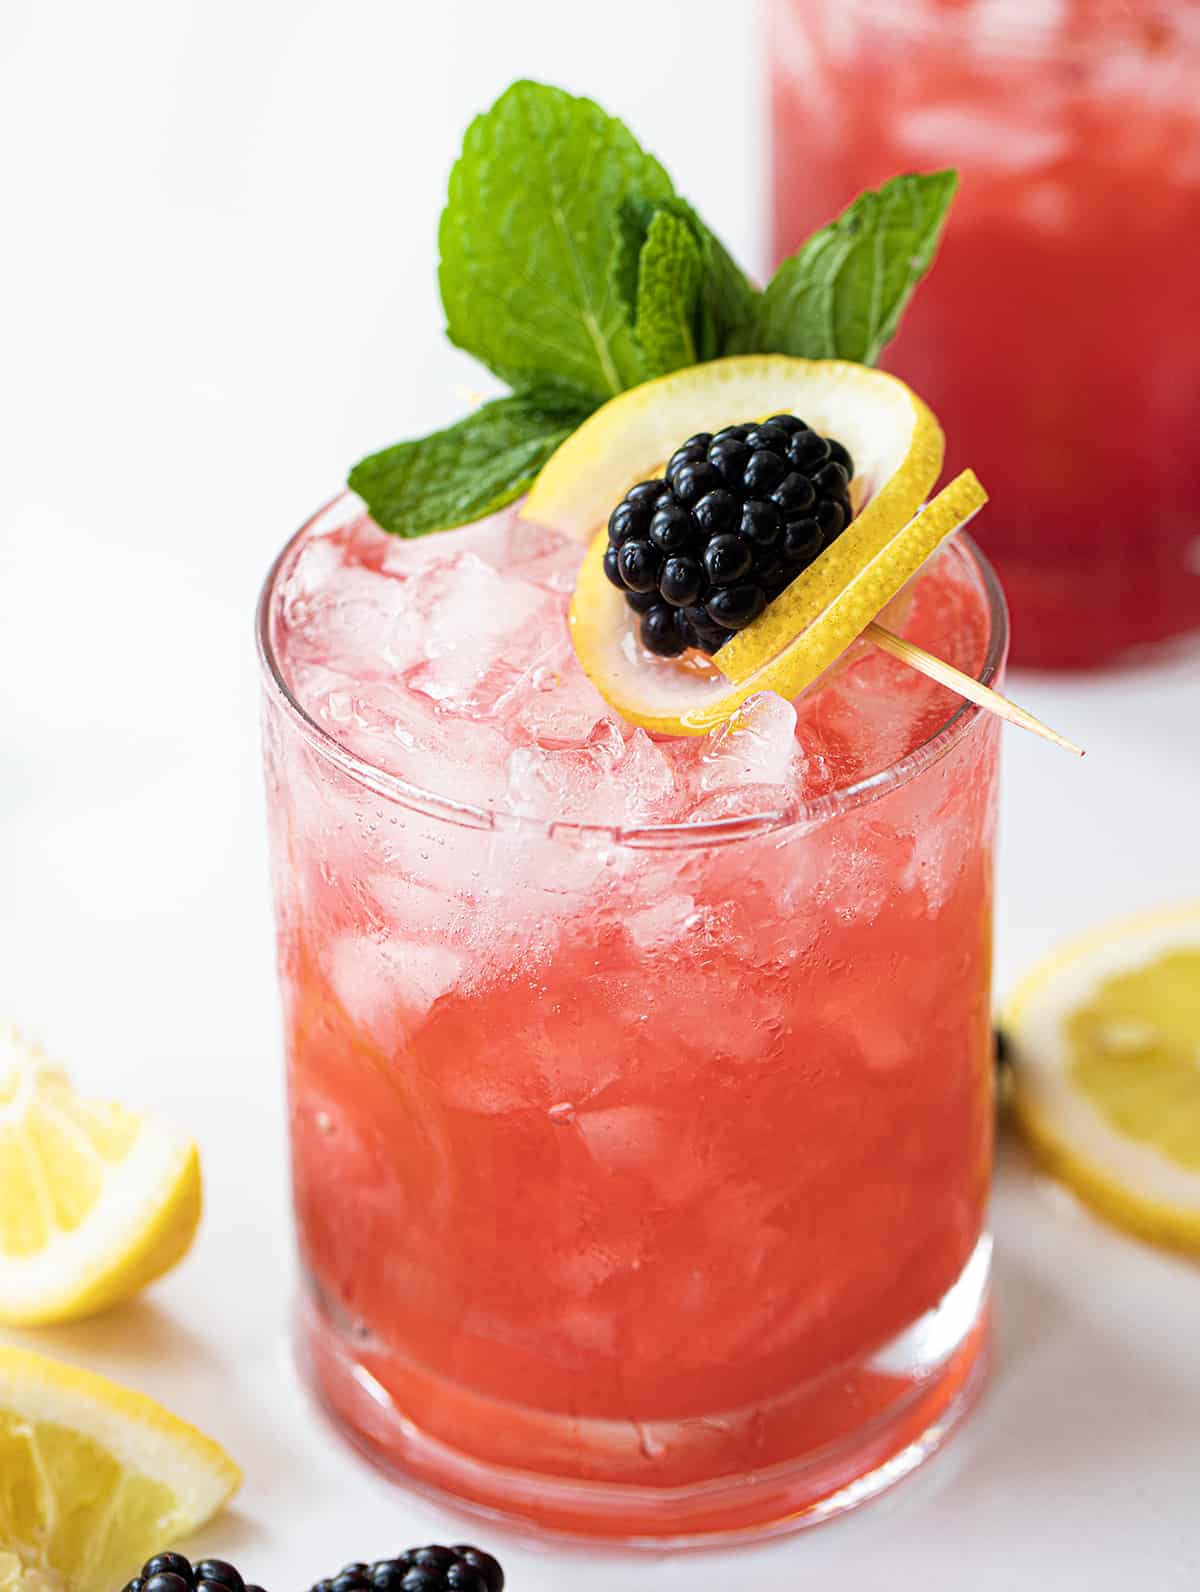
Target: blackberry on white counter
434,1568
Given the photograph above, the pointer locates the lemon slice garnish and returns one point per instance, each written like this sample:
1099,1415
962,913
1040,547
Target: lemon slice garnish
1106,1071
95,1201
896,443
897,447
95,1477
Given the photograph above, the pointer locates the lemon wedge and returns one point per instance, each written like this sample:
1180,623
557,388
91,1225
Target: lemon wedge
95,1477
95,1202
1105,1041
897,446
17,1576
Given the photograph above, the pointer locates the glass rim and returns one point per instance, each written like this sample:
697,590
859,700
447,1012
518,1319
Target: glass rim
797,813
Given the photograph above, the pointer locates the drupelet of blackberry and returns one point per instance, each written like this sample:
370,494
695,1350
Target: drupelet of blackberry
171,1572
700,552
429,1569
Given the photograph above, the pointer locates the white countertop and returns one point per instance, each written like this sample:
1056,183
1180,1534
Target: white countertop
219,292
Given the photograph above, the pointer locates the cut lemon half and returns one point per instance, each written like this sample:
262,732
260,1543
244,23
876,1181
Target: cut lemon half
1105,1041
95,1201
95,1477
897,446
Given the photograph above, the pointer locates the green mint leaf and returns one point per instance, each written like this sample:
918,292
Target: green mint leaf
526,241
670,267
631,223
726,303
467,470
841,296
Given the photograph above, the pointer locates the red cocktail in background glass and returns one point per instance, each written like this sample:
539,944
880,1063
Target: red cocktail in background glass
1059,340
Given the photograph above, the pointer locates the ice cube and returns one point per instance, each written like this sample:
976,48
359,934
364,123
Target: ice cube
1013,136
355,622
607,781
662,924
388,985
645,781
863,718
553,703
541,556
479,632
459,760
625,1138
555,713
565,783
756,747
408,557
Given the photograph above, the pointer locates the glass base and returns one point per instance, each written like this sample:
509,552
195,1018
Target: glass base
936,1370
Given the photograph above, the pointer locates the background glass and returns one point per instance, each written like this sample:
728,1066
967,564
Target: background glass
1057,337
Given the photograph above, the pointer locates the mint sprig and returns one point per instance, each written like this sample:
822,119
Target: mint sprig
842,295
526,241
722,307
669,269
468,469
572,270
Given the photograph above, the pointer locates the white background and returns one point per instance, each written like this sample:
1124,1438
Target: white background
218,291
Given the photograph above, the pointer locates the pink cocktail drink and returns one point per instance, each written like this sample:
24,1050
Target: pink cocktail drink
1076,130
641,1089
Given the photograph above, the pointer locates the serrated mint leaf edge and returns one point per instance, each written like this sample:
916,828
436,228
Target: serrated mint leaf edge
727,303
601,361
670,268
466,470
798,312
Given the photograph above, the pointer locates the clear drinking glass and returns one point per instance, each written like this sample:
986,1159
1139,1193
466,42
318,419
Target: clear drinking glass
640,1170
1057,338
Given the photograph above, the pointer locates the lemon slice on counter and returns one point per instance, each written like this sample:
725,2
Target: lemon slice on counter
1105,1045
897,446
95,1201
95,1477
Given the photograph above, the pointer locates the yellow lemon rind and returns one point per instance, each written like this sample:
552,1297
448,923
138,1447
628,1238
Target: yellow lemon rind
831,602
674,702
142,1222
145,1441
154,1245
880,420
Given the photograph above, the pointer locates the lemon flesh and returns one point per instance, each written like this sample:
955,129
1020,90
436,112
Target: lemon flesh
17,1576
1106,1074
95,1477
95,1201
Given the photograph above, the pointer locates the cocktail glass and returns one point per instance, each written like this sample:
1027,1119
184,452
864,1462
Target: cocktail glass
640,1091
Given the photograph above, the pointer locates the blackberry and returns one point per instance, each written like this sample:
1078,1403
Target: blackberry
736,517
1003,1051
171,1572
431,1569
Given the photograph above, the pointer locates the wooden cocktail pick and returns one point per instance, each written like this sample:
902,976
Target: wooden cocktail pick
946,674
